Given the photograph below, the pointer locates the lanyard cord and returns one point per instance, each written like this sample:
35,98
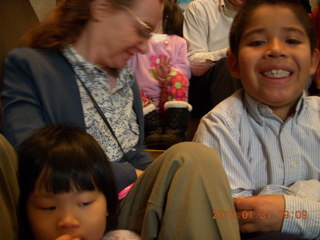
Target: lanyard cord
102,115
96,105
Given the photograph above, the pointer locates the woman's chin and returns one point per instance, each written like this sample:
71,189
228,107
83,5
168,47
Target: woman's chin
119,63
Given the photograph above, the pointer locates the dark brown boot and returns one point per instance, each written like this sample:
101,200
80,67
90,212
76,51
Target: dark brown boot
176,122
152,129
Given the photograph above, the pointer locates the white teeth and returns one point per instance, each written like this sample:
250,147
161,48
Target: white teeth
277,73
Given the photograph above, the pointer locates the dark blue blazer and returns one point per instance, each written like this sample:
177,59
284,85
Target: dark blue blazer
40,89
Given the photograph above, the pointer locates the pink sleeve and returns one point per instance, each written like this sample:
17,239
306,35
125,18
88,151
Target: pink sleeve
124,192
180,62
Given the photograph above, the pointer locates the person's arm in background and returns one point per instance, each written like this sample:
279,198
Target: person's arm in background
196,32
179,60
23,112
276,199
126,172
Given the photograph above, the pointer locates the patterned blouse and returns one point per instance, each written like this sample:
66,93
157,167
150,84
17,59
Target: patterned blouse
116,104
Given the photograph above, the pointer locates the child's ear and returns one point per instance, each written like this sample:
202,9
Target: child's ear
314,61
233,65
99,9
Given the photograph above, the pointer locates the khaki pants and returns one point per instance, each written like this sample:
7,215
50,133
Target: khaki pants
9,191
176,196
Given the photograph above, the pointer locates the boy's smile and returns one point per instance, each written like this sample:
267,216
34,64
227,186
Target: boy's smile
275,60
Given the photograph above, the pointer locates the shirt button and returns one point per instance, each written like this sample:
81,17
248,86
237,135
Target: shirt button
293,164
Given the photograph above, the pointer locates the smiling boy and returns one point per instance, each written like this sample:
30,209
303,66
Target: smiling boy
268,134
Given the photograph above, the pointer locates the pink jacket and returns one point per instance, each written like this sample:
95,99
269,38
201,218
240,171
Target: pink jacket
171,46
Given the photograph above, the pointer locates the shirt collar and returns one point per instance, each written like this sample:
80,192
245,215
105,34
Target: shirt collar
77,60
301,107
229,9
125,77
221,3
260,111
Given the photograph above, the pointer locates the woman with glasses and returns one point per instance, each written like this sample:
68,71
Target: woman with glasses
73,69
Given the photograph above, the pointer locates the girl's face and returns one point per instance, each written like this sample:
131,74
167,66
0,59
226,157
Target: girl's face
274,61
125,32
79,214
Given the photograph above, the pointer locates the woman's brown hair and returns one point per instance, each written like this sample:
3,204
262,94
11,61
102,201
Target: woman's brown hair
64,25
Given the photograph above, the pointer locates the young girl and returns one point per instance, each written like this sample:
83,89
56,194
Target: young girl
163,77
67,186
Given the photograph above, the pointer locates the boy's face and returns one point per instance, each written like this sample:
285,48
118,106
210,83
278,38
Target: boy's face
79,214
274,61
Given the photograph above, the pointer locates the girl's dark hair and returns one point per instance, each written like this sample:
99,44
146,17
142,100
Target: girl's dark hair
64,25
244,15
64,157
172,21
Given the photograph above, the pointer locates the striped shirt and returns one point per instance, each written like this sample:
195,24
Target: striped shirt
264,155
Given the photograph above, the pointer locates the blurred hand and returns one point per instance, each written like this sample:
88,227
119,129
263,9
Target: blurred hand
138,172
200,68
67,237
264,216
163,69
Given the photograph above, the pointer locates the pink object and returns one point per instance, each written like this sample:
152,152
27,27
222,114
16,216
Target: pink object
161,47
124,192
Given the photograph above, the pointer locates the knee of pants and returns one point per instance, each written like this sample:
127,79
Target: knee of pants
194,153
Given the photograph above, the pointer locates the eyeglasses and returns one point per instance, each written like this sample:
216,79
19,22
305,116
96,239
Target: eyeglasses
144,30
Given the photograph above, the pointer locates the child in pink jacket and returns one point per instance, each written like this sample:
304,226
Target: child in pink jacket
163,77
